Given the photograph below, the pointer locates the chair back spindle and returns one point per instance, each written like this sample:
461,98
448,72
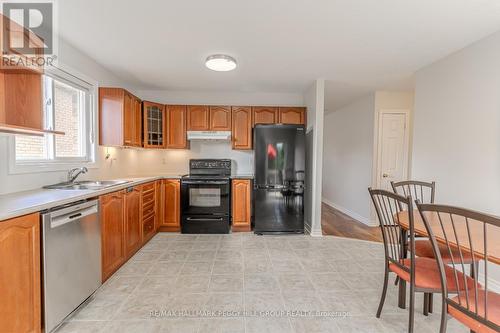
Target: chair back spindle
418,190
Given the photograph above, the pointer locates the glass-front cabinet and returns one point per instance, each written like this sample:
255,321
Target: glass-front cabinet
154,125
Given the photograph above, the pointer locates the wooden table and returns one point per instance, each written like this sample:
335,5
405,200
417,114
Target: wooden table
476,233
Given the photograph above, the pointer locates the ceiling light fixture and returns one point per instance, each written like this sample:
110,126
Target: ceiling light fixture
220,63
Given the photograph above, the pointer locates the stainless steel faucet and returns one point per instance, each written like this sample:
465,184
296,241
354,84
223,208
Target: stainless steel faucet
72,175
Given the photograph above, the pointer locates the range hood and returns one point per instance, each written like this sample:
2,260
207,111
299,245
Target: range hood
209,135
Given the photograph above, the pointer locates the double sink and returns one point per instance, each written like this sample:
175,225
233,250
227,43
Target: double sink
86,185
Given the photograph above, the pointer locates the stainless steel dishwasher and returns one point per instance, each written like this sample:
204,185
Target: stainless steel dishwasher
71,238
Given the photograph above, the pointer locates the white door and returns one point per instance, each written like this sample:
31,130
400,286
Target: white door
393,148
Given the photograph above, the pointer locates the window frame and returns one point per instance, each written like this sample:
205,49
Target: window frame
77,80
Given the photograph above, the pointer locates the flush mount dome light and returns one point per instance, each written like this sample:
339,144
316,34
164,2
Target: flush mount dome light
220,63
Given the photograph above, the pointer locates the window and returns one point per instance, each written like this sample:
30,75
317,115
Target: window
68,108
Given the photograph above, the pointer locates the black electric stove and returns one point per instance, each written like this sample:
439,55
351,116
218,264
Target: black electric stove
206,197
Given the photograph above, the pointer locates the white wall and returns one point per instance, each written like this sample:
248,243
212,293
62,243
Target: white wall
314,99
223,98
457,126
457,130
150,162
348,158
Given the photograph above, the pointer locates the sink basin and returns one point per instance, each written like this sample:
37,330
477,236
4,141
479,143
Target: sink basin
86,185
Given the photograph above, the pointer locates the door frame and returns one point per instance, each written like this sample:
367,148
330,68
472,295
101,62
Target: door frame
377,160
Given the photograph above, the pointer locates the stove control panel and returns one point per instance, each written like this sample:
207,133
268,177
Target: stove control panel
219,167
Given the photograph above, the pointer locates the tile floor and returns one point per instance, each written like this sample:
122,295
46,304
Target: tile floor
182,283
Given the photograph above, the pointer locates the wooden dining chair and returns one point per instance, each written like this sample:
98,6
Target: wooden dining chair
475,234
425,192
421,273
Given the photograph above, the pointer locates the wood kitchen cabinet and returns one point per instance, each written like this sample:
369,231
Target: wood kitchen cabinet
198,118
133,226
149,211
177,126
20,278
120,120
171,202
21,103
220,118
241,202
155,125
242,127
112,233
292,115
265,115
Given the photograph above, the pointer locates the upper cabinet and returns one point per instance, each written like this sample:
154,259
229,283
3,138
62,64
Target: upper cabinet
177,125
242,127
198,118
21,110
220,118
292,115
155,125
265,115
21,102
119,118
208,118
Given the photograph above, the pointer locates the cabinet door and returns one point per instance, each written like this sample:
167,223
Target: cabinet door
220,118
138,122
133,236
292,115
154,125
242,127
265,115
128,120
21,101
112,235
198,118
177,121
172,204
20,279
241,205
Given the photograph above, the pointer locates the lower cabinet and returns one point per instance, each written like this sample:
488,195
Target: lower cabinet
20,279
241,207
133,228
171,205
149,211
112,233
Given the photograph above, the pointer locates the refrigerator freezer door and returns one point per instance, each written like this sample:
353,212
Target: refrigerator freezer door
278,211
279,154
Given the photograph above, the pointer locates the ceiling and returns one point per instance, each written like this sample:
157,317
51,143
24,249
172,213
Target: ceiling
280,45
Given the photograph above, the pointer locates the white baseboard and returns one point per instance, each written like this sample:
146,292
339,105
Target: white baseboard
362,219
313,233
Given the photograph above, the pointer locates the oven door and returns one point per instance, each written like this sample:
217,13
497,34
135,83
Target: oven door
205,197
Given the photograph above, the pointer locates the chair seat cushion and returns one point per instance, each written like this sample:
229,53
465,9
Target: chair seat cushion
427,275
423,248
493,300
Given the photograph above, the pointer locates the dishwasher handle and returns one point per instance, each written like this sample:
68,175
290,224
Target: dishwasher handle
73,216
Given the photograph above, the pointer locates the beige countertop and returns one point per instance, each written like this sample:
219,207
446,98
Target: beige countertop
27,202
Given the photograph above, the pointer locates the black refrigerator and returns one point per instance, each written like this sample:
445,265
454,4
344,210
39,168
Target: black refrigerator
279,179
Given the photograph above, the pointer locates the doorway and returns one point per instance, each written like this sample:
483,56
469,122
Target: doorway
392,140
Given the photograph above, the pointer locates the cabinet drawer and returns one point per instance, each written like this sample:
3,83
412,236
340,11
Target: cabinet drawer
148,226
148,187
148,198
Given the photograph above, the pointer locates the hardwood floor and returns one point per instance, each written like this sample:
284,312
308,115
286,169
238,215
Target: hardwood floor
336,223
